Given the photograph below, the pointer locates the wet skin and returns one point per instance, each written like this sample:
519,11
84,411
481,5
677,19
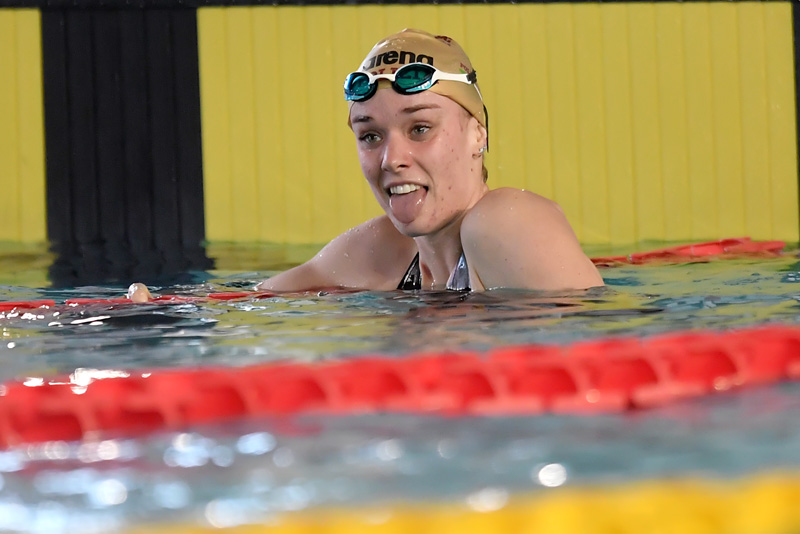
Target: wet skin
421,156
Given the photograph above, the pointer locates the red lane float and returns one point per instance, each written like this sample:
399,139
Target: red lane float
12,305
176,299
164,299
609,375
727,248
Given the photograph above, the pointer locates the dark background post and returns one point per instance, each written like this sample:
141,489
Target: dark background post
123,144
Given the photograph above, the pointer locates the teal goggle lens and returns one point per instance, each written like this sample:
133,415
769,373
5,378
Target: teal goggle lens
408,79
414,78
357,86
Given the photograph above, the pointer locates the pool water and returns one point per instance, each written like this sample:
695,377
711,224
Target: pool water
244,471
638,300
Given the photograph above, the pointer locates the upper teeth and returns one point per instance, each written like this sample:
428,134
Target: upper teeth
403,189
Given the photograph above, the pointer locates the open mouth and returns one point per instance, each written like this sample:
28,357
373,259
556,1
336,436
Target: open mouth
404,189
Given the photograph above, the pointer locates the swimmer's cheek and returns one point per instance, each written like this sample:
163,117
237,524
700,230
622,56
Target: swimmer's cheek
138,292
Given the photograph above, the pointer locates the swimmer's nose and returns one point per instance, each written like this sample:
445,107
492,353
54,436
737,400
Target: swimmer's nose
396,154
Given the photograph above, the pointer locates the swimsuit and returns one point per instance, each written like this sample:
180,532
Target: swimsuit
459,278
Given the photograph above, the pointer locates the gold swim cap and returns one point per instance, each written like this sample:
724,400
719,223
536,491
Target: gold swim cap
416,46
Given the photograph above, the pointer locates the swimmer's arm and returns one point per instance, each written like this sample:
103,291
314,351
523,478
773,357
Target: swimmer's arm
373,255
365,257
300,278
330,268
518,239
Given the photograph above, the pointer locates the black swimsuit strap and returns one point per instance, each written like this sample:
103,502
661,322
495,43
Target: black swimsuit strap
459,280
413,278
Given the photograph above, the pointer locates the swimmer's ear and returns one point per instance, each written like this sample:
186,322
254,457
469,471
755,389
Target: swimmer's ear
480,136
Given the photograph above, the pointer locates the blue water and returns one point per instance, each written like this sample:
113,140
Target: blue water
247,471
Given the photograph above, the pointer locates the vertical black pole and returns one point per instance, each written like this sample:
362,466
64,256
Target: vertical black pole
56,125
123,143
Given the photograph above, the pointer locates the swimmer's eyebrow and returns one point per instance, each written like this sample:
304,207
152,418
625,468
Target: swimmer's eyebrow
419,107
408,111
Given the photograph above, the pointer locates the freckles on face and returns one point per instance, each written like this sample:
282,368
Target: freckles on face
422,140
394,131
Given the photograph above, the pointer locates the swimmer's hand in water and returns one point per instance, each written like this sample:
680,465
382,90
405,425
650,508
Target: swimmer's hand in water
138,292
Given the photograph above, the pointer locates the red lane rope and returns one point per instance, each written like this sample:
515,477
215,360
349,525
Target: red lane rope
609,375
725,248
165,299
175,299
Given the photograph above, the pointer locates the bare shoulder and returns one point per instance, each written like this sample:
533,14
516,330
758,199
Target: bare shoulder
372,231
367,256
510,203
516,238
375,241
507,212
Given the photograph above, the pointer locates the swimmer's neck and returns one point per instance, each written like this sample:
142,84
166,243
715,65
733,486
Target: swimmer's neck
438,255
439,252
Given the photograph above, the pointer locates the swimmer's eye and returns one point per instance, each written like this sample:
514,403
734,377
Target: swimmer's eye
420,129
369,138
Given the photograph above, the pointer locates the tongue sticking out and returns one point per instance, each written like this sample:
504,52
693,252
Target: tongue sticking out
405,207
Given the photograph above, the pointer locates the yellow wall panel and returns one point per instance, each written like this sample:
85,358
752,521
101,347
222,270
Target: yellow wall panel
351,195
699,122
537,149
672,120
320,104
22,218
9,124
271,169
645,128
726,106
506,36
782,122
755,125
618,125
563,112
241,98
591,121
645,121
212,45
296,125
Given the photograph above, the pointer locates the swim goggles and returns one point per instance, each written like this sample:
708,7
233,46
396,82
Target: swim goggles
407,80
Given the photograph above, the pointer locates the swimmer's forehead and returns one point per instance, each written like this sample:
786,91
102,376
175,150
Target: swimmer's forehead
409,110
362,112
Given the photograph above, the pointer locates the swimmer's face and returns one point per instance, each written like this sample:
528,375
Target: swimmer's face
417,153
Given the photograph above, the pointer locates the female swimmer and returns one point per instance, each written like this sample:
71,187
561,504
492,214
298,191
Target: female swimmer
421,133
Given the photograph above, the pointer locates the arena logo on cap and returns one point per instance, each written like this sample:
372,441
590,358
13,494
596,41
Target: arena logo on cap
393,57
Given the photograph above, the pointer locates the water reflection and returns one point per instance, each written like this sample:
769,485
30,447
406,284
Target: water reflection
278,466
98,262
445,321
252,471
317,326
